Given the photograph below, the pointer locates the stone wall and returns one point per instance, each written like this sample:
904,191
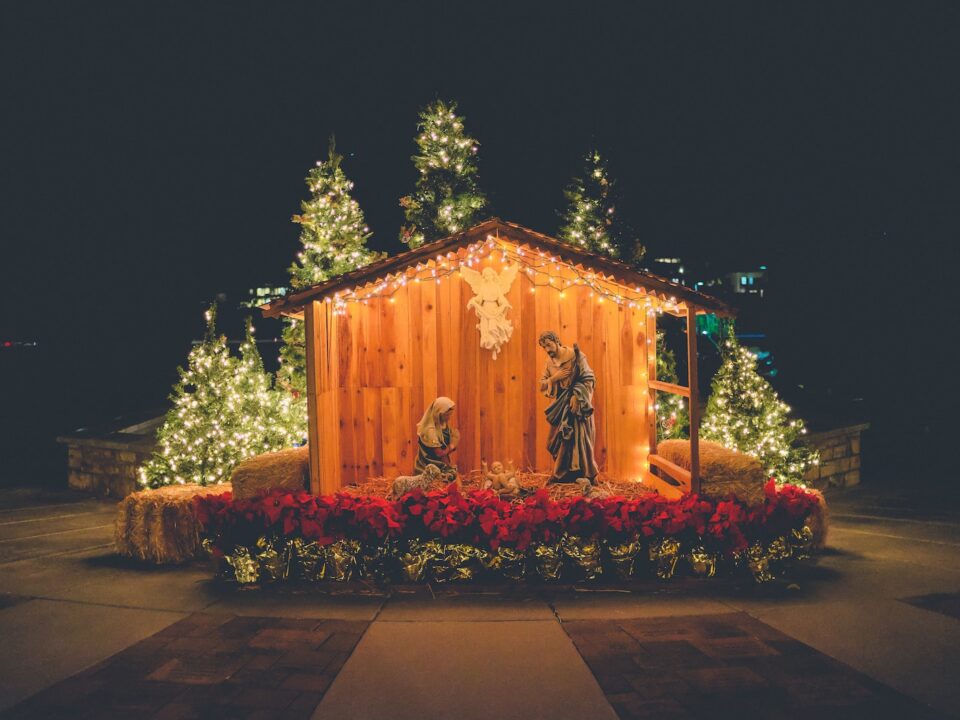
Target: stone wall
839,457
106,464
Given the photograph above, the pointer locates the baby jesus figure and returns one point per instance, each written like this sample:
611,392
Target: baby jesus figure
501,481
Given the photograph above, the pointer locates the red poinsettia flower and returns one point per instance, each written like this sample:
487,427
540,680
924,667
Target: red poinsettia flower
481,517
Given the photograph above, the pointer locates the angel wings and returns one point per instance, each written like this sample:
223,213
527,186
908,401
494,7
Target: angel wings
490,304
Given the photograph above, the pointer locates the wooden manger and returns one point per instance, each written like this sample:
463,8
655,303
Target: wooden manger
385,340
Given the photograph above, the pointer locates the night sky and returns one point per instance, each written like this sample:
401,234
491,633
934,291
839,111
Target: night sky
152,155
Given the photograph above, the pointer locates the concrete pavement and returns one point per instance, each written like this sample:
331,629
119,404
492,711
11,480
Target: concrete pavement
68,606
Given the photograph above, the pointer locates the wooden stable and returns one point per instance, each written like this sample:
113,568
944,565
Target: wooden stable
385,340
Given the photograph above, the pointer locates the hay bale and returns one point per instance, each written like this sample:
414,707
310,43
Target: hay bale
160,526
819,520
281,470
722,470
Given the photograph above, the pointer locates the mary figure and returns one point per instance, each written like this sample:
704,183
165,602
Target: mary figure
436,440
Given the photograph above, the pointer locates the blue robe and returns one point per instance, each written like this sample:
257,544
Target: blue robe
572,434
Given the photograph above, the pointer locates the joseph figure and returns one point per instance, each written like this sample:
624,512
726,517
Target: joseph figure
568,379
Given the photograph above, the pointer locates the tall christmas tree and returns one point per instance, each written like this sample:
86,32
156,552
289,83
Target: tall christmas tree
224,410
447,198
590,219
745,413
334,236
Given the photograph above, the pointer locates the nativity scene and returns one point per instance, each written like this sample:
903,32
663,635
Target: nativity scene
485,405
546,350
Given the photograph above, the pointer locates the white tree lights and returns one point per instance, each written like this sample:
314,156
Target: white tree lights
588,219
224,410
334,234
333,230
745,413
446,198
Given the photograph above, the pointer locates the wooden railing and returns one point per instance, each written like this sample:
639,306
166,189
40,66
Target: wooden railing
688,480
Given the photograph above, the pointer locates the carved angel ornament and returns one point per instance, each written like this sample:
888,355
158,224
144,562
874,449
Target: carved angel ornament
490,304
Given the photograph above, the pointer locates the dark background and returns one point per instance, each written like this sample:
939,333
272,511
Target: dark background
152,155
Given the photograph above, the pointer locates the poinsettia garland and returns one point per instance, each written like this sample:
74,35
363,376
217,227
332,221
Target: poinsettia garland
482,519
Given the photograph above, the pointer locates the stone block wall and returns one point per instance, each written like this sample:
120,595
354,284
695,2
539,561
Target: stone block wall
839,457
106,465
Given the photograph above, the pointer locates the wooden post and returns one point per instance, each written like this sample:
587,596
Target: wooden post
694,399
311,316
651,349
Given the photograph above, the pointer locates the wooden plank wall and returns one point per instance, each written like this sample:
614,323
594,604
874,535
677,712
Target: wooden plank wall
381,364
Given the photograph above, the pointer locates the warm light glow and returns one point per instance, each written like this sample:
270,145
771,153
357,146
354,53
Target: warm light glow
542,270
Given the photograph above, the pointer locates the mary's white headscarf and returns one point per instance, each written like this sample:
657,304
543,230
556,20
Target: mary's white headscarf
429,428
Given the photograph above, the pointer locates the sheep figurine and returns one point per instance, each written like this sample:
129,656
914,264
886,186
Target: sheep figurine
405,483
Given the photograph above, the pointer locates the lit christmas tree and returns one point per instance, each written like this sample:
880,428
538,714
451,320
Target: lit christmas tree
275,418
590,220
447,198
744,413
292,374
673,421
334,236
333,231
224,410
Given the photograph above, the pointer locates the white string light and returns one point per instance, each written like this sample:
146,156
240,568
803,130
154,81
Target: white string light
543,271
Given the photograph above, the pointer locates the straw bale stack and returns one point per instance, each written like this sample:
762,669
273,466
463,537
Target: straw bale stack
282,470
160,526
722,470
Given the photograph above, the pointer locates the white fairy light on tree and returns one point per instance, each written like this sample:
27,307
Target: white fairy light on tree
334,236
745,413
224,411
446,198
590,219
673,420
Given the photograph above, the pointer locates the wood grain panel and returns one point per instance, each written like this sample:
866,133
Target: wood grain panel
511,361
312,338
415,334
600,363
650,350
385,342
449,316
544,463
329,424
401,339
360,461
428,330
372,366
347,350
329,412
529,372
389,360
468,416
347,436
405,429
372,463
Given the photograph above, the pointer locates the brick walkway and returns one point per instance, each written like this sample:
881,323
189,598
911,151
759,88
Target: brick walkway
208,666
725,666
706,666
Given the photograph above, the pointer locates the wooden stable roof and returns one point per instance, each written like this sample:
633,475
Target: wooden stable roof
616,270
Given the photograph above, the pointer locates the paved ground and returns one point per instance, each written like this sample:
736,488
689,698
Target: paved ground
871,630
